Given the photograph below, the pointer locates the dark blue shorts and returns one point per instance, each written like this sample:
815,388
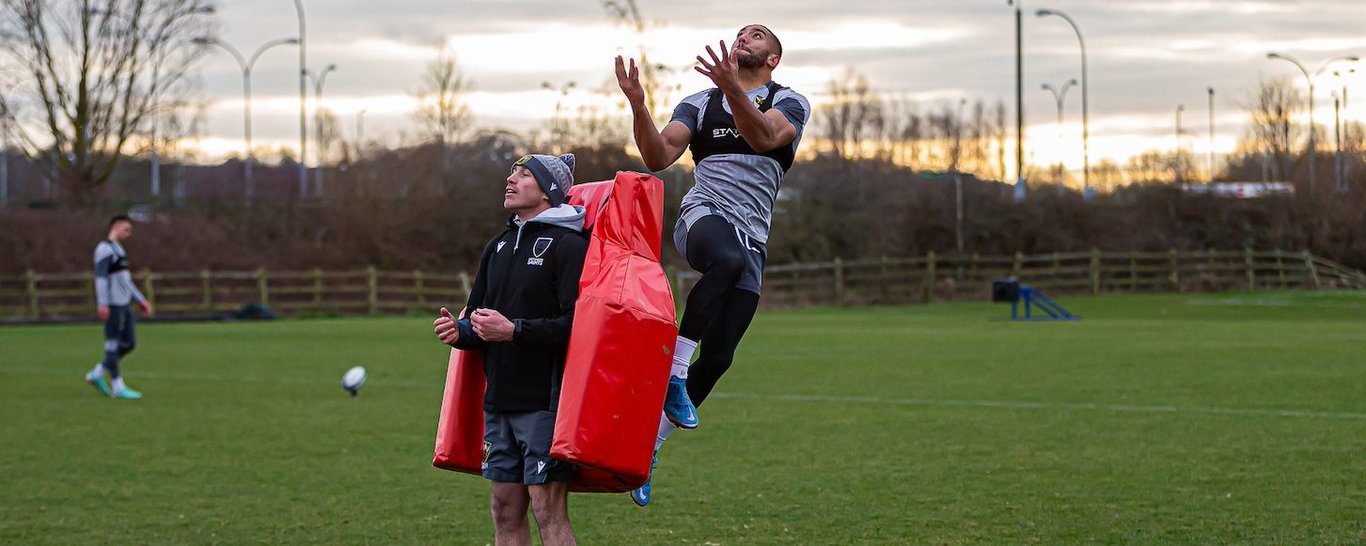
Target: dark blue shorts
517,448
756,253
120,329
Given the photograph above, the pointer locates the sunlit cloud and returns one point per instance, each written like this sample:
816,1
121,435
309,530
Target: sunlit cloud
1147,56
1203,6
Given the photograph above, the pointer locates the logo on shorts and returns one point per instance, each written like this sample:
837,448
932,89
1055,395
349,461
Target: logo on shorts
540,467
488,446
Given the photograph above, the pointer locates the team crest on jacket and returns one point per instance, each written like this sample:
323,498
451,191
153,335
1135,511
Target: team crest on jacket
500,246
538,249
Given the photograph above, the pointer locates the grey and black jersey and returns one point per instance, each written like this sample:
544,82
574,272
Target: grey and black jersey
740,186
113,280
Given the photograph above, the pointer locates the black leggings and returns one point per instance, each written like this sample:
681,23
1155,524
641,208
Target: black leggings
717,313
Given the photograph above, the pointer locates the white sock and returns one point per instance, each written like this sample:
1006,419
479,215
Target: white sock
683,350
117,383
97,371
666,429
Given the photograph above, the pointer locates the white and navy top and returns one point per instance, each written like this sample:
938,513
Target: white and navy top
732,178
113,278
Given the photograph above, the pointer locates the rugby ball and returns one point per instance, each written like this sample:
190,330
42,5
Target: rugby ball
353,379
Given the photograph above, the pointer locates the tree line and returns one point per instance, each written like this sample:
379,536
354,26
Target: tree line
876,176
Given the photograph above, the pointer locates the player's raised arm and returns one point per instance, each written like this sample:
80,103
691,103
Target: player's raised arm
763,131
658,149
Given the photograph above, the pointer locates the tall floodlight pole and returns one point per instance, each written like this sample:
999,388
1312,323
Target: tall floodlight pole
1059,97
1210,90
1313,151
1087,192
303,101
1020,189
246,65
318,81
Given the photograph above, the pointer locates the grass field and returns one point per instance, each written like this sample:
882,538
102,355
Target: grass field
1174,419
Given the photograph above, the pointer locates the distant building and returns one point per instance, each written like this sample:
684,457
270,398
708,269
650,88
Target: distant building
1241,190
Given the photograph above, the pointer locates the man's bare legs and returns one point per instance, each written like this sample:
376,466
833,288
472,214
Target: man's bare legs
550,504
509,502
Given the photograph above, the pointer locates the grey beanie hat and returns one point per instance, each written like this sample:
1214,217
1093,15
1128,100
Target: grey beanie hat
555,175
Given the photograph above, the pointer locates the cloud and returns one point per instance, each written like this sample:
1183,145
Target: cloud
1145,56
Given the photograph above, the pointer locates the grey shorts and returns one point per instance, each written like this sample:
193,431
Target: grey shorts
517,448
755,252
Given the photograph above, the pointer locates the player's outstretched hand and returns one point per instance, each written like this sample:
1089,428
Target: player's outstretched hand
146,308
102,312
491,326
724,71
629,81
445,328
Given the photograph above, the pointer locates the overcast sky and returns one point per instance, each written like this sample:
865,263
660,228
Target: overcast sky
1145,58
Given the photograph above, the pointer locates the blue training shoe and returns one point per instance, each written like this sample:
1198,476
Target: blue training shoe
127,394
678,408
641,495
99,383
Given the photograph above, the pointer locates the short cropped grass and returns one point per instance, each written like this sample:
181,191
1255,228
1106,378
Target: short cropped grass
1172,419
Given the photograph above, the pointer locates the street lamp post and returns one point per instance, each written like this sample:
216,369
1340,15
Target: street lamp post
1087,192
1313,151
360,132
1337,141
1020,189
4,154
1177,155
1210,90
303,101
318,81
246,65
958,177
1059,96
1339,104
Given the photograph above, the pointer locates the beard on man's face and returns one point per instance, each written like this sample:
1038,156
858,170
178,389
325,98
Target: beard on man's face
750,60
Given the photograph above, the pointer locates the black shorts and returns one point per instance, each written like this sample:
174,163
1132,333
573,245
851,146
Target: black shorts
517,448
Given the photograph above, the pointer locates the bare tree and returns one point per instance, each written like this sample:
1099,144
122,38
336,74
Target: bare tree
849,113
331,147
913,133
976,141
1107,175
93,73
1161,166
1273,131
441,101
654,77
998,136
584,127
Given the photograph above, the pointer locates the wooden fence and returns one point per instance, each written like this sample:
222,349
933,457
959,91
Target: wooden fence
40,296
951,277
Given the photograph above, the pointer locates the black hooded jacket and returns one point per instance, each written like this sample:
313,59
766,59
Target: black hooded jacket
530,274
